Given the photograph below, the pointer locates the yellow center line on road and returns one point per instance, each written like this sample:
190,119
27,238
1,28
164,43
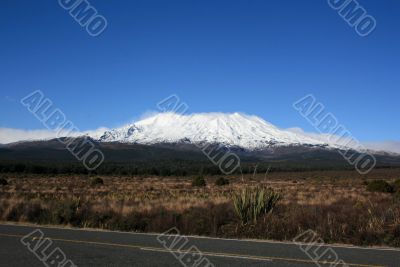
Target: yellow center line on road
216,254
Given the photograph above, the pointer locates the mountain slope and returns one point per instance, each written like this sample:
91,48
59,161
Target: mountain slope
232,130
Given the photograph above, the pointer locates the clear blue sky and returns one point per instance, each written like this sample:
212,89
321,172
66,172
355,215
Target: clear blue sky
256,57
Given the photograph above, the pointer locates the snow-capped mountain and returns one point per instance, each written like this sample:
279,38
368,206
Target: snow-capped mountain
234,129
169,137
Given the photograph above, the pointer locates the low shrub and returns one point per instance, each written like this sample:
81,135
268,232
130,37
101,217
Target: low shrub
396,185
15,212
96,181
3,181
199,181
64,211
251,204
397,195
380,186
221,181
35,212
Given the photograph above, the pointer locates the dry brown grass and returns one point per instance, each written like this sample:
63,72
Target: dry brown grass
336,204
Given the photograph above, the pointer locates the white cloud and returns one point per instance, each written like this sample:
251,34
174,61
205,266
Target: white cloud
391,146
10,135
327,138
147,114
300,131
388,146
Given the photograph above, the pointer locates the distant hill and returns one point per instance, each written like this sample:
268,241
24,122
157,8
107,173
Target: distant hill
188,157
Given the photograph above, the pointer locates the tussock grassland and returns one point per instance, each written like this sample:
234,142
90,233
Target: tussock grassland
335,204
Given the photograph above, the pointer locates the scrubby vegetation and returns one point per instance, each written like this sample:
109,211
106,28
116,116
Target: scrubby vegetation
199,181
3,181
335,204
380,186
96,181
221,181
396,185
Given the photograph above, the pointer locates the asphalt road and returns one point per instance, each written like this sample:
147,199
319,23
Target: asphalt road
104,248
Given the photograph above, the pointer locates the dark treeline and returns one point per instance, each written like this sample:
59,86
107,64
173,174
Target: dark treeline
158,168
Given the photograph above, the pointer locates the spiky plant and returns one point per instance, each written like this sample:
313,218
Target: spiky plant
251,204
241,203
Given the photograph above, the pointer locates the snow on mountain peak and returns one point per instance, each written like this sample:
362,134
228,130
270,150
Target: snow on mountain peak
230,129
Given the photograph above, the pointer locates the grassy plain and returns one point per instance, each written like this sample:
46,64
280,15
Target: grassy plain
335,204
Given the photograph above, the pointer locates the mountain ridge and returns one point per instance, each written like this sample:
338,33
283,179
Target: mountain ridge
233,130
229,129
